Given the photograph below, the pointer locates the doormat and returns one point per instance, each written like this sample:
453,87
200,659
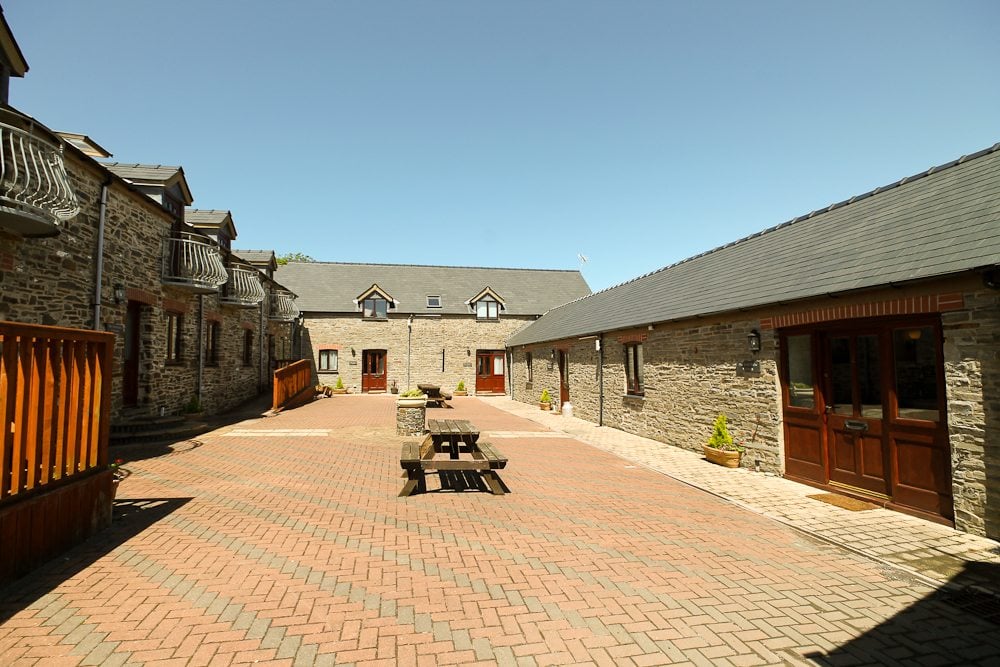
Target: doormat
843,502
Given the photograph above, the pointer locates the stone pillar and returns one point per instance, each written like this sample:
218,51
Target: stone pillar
410,421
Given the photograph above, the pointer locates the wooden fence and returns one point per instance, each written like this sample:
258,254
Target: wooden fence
55,396
292,384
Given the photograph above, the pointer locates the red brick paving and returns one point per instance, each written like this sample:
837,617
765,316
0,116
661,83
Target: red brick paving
295,550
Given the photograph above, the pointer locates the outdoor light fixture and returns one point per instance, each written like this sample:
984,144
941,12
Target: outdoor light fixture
468,352
119,293
753,340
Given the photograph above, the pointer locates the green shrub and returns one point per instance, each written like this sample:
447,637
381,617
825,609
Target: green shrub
546,397
460,386
411,393
721,439
340,383
194,405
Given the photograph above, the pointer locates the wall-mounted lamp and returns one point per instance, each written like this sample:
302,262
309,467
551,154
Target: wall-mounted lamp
553,354
353,353
753,340
468,352
119,293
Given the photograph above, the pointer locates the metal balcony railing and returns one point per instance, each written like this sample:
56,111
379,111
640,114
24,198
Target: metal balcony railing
243,288
35,192
190,261
283,308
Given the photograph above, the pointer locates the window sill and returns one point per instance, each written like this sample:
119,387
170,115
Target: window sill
374,319
487,319
637,397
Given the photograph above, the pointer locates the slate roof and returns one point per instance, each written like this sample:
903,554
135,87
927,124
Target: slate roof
941,221
330,287
256,256
151,174
211,219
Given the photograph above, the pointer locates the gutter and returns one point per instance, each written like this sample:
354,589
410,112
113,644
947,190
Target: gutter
100,254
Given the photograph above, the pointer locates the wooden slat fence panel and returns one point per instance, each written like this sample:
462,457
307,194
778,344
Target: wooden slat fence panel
55,398
291,382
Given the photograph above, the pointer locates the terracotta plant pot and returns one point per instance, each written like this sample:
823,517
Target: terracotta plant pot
545,406
723,457
340,391
460,393
412,402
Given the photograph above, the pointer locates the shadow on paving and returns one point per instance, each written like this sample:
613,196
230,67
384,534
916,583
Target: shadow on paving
931,630
129,518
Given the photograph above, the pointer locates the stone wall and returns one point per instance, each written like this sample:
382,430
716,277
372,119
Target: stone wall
457,336
689,376
972,379
51,281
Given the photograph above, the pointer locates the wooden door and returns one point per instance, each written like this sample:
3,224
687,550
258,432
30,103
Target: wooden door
563,377
490,366
373,370
857,447
802,408
918,431
133,353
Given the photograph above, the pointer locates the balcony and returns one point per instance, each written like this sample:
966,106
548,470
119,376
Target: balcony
243,288
35,192
283,308
193,263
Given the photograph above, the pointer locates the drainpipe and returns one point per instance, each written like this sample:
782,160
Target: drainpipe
600,380
409,337
100,254
201,344
260,350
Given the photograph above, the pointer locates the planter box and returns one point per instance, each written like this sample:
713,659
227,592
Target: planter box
722,457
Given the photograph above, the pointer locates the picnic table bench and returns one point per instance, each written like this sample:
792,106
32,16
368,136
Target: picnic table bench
454,437
435,395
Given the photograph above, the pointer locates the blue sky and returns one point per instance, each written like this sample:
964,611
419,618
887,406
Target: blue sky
516,133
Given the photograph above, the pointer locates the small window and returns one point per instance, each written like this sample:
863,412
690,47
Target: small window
376,308
328,361
527,363
175,338
633,369
800,375
487,308
212,344
248,347
433,301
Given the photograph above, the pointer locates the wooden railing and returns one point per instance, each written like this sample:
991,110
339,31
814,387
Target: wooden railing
55,396
291,384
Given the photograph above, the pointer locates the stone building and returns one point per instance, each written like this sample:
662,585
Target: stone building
193,321
856,348
380,326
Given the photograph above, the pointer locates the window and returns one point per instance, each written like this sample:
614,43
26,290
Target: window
248,347
212,344
376,308
916,363
328,361
433,301
633,369
487,308
527,363
175,338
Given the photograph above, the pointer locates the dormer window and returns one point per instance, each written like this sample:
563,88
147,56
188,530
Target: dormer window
487,308
487,305
376,308
433,301
375,303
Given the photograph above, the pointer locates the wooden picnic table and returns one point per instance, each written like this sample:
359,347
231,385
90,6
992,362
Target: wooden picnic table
435,396
455,436
452,434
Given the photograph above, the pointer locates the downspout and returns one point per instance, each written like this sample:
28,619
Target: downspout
409,337
201,345
100,254
260,350
600,380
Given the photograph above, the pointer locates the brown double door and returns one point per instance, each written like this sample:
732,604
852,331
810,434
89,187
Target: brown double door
373,370
865,412
490,371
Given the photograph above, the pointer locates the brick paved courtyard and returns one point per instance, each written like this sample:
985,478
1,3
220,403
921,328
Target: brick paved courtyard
282,541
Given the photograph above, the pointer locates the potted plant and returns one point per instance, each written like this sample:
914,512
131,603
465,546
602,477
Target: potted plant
412,398
720,448
339,387
545,400
119,473
394,388
460,389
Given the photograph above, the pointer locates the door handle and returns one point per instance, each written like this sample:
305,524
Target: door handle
855,425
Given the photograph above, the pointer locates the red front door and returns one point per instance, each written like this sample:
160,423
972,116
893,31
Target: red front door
133,343
373,370
563,377
490,371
